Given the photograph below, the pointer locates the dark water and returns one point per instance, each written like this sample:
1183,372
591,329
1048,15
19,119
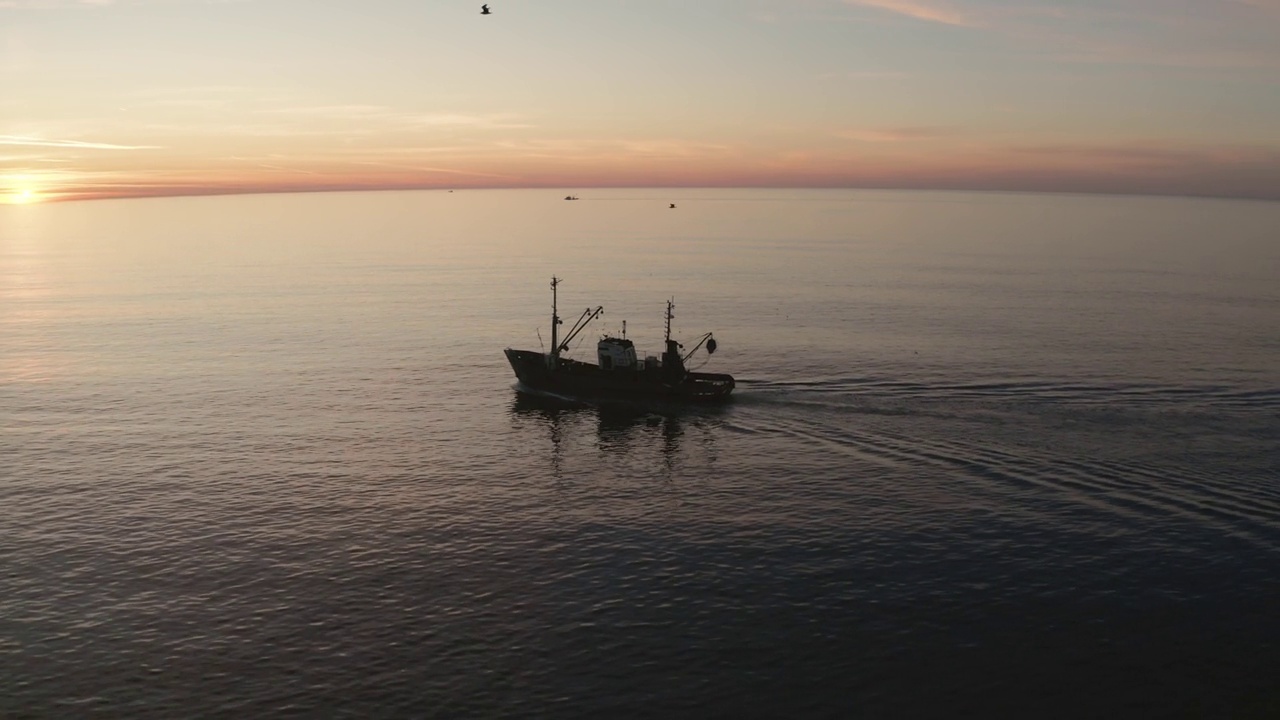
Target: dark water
989,454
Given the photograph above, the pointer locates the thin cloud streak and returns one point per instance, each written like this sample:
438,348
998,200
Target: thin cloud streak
1178,34
866,75
1175,34
378,113
930,12
94,4
894,134
447,171
77,144
1251,172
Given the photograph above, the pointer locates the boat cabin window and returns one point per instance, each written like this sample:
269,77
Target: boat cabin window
616,354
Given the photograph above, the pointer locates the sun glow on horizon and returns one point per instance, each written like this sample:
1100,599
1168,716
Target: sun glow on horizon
20,189
22,196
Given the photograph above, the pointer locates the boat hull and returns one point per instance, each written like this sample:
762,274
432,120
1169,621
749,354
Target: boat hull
579,379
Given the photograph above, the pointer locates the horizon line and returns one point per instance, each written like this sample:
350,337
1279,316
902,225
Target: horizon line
72,197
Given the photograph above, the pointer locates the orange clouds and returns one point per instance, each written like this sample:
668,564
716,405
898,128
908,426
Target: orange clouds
1247,172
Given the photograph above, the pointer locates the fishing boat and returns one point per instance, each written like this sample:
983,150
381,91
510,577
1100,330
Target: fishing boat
619,372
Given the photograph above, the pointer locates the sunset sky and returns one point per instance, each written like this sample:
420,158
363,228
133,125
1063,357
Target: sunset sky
108,98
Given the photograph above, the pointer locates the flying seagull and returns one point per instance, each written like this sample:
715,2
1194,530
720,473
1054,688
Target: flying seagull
484,10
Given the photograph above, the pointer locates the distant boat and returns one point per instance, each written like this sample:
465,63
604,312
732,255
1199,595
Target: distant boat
619,372
570,197
673,205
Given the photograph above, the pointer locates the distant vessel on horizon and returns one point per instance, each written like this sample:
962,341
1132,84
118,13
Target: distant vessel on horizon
619,372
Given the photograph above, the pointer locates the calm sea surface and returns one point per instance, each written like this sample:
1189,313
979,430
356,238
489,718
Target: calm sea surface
263,456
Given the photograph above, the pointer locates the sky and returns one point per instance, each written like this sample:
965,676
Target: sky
129,98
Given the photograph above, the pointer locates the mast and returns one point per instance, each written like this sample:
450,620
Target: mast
555,322
672,365
553,357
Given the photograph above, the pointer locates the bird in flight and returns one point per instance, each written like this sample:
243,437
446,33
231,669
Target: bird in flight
484,10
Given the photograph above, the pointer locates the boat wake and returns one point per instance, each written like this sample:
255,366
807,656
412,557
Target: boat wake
1044,450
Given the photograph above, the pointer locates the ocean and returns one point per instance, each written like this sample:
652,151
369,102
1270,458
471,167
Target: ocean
988,454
